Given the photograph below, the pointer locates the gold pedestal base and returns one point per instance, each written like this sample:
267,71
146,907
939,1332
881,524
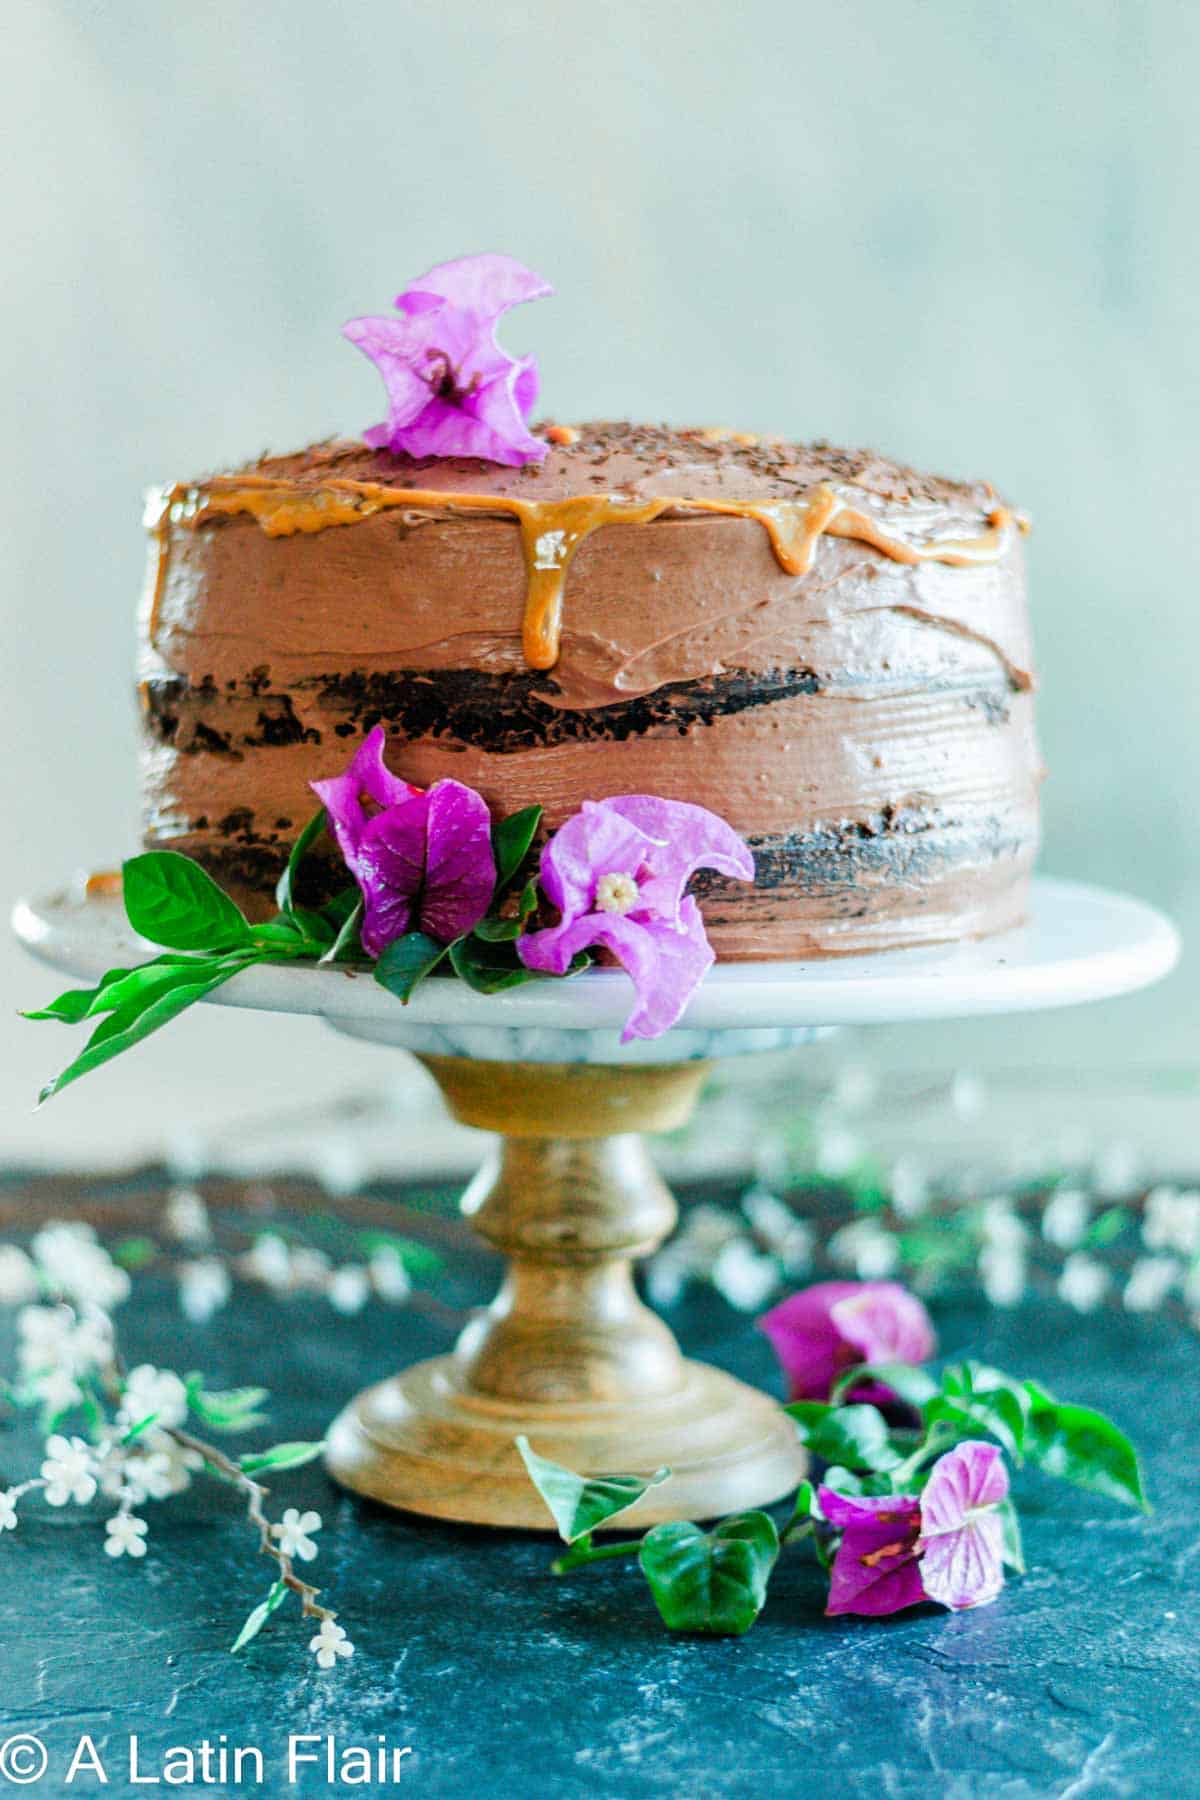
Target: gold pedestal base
566,1355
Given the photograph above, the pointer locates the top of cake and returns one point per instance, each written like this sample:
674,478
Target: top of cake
637,462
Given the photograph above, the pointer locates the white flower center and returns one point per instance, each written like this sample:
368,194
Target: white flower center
616,894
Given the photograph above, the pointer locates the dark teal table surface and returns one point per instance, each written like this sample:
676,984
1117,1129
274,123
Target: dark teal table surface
1081,1680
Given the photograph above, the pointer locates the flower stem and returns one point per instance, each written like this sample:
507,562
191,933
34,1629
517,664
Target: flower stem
579,1554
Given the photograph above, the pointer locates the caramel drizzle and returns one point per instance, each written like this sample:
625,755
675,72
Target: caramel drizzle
552,530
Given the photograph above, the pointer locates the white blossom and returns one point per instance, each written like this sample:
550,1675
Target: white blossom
1003,1269
836,1150
8,1510
1083,1282
330,1643
1115,1171
706,1230
294,1533
1150,1281
666,1277
909,1187
310,1269
1000,1227
68,1471
149,1390
57,1389
43,1334
348,1289
389,1276
854,1086
744,1277
204,1288
786,1237
148,1476
126,1535
1172,1221
186,1216
865,1247
270,1261
78,1266
1065,1218
18,1277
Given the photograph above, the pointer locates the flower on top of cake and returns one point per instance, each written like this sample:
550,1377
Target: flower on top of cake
451,389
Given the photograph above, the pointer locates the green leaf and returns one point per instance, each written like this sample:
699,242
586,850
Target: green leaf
579,1503
713,1582
406,962
135,1431
170,900
135,1253
907,1382
1014,1555
488,968
856,1436
418,1259
280,1456
511,839
135,1021
978,1398
338,910
494,930
346,944
237,1409
1075,1444
286,886
259,1616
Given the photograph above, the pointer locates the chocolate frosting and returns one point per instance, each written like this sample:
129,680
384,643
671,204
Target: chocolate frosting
863,716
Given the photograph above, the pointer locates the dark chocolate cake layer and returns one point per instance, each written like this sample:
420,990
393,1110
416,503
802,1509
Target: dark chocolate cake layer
827,649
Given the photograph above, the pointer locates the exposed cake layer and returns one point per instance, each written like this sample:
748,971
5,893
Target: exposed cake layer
864,721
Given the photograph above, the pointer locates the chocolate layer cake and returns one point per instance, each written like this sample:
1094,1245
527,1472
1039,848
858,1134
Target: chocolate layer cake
827,649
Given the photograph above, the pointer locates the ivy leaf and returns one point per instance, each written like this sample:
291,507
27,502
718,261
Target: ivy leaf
713,1582
856,1436
406,962
1011,1550
286,885
259,1616
172,901
1075,1444
488,968
129,1024
280,1456
511,839
913,1385
578,1503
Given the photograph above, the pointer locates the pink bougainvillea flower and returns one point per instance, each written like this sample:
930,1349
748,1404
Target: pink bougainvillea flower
826,1329
617,873
962,1533
875,1569
422,859
451,390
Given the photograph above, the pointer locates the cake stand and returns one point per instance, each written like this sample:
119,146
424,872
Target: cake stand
567,1354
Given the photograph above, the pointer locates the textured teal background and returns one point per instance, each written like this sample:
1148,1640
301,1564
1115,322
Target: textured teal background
966,233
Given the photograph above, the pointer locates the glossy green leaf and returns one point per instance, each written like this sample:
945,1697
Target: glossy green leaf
122,1029
406,962
172,901
259,1616
713,1582
856,1436
511,839
285,889
280,1456
907,1382
1075,1444
494,930
580,1503
488,968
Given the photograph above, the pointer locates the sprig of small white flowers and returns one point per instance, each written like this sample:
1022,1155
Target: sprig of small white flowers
138,1445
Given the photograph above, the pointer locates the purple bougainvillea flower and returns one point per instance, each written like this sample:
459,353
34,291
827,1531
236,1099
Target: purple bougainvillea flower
617,873
962,1533
422,859
451,390
875,1569
825,1329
